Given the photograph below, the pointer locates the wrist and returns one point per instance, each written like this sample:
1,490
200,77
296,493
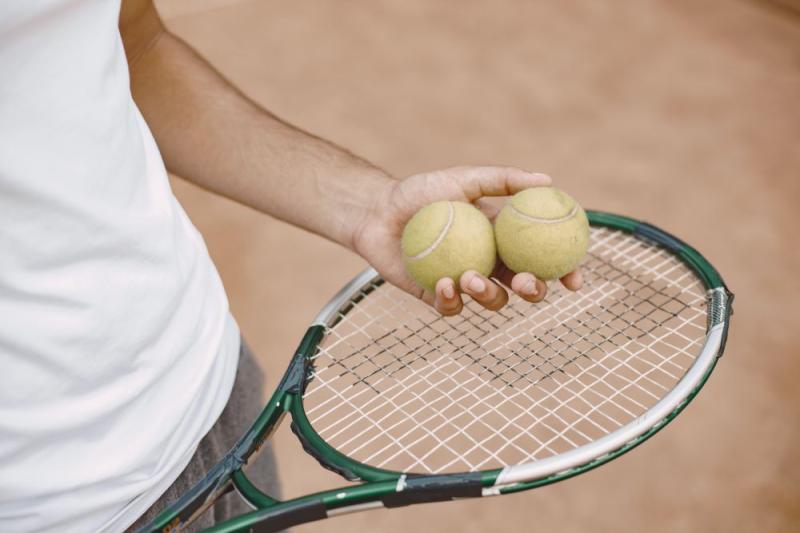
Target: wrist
363,199
374,204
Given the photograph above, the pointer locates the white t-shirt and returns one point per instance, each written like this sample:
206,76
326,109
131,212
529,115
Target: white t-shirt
117,350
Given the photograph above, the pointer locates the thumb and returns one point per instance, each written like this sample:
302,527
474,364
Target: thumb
476,182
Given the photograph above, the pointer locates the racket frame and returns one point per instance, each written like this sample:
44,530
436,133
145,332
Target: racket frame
386,488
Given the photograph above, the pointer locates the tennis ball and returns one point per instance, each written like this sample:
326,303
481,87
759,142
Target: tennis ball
543,231
444,240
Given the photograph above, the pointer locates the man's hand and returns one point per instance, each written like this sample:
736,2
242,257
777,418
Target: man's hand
377,237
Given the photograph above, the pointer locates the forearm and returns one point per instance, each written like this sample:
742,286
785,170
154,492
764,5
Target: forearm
213,135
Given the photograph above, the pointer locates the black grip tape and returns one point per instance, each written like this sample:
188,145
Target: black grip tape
435,489
295,375
290,515
348,474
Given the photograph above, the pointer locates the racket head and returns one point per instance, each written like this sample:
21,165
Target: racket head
527,395
631,264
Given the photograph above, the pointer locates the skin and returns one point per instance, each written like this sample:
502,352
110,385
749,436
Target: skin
213,135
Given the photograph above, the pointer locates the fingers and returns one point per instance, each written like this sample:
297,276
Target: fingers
528,287
573,281
487,208
483,290
447,299
524,284
448,302
495,181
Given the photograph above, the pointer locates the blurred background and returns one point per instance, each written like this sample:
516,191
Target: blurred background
684,113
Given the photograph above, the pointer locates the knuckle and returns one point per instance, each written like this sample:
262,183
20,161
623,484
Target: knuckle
450,311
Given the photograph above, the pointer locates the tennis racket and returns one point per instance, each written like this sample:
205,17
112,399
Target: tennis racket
420,408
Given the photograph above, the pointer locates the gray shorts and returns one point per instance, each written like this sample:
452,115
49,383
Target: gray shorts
243,407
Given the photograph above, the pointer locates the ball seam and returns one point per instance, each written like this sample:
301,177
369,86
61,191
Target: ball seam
531,218
439,238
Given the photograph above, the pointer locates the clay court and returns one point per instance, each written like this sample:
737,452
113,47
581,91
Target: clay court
684,114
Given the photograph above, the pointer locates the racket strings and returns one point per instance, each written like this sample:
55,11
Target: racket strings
397,386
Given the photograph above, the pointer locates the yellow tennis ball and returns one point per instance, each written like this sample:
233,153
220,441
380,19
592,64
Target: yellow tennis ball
543,231
444,240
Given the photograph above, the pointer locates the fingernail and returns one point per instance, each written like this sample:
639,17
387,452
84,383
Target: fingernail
448,292
477,285
530,288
